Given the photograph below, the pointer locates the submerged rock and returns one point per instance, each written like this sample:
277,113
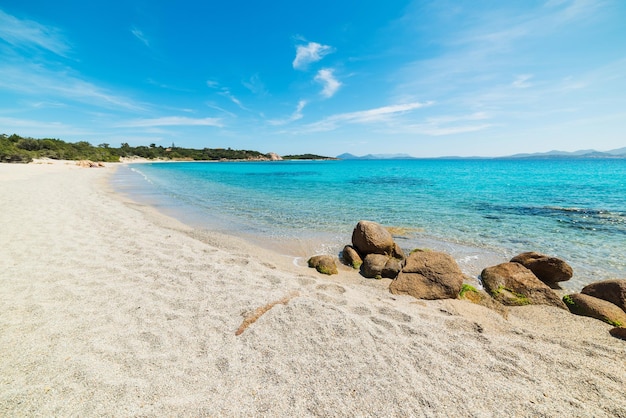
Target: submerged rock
514,285
429,275
613,291
549,270
585,305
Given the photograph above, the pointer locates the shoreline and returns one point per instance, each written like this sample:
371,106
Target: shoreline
472,259
112,308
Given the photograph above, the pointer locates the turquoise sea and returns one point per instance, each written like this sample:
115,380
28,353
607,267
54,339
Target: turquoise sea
573,209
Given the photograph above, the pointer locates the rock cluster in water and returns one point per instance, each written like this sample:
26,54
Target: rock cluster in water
527,279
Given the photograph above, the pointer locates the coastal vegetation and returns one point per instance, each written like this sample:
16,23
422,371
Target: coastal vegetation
306,157
17,149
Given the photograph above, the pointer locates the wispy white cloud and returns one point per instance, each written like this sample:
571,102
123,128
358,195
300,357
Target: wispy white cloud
41,128
61,86
226,93
327,78
447,125
220,109
255,85
167,86
16,122
377,115
296,115
140,35
380,113
575,9
171,121
310,53
521,81
29,34
212,84
472,67
447,130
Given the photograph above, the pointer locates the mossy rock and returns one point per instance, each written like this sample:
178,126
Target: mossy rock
585,305
324,264
480,297
515,285
467,288
351,257
511,297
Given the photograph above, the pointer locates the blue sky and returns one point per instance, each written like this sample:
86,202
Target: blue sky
426,78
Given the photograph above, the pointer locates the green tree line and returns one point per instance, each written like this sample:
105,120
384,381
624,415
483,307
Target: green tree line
15,148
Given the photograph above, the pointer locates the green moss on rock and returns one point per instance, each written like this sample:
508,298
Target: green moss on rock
467,288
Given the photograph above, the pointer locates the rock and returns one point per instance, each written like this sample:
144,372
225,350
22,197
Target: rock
618,332
585,305
351,257
613,291
373,265
480,297
397,252
372,238
324,264
429,275
549,270
513,284
274,157
392,268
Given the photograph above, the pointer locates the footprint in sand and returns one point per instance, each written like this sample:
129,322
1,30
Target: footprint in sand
331,288
395,315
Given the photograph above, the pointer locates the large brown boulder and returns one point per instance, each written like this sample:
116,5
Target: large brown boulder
549,270
373,265
392,268
514,285
429,275
585,305
324,264
613,291
351,257
372,238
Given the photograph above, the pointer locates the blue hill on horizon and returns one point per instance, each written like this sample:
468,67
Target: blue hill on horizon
589,153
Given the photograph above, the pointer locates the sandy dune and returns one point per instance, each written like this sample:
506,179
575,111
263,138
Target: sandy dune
110,309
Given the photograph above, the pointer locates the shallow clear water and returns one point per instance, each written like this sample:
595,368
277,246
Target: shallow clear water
573,209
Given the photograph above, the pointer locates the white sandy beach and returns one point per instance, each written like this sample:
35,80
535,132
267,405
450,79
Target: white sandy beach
111,309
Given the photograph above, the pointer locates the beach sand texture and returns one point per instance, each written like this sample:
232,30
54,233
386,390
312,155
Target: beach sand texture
111,309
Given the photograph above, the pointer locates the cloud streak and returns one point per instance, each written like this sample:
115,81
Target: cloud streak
140,35
226,93
376,115
297,115
29,34
170,121
327,79
446,125
37,81
310,53
521,82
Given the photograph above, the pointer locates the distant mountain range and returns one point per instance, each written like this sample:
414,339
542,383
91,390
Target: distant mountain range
589,153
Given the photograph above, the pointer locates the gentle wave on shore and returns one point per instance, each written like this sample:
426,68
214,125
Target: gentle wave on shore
481,210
